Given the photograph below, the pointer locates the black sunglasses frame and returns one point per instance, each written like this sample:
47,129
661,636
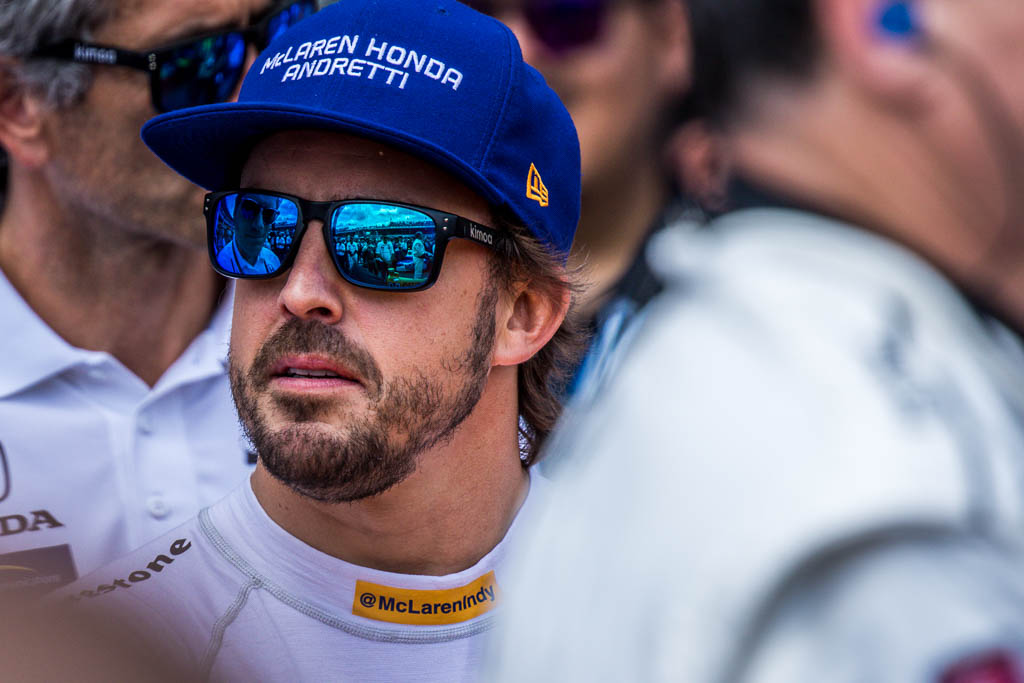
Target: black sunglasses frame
447,226
81,52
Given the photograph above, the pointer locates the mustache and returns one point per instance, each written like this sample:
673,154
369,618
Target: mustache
310,336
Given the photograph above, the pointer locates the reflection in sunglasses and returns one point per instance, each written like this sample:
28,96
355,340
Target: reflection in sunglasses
391,250
251,210
375,244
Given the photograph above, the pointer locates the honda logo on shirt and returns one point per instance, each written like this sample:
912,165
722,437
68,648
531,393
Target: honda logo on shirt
5,476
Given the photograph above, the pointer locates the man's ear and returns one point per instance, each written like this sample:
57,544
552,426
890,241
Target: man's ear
699,158
527,319
670,28
880,46
21,120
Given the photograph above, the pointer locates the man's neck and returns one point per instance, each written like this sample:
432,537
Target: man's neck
883,176
617,213
446,516
249,256
141,299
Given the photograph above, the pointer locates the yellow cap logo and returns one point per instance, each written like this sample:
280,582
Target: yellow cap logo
425,607
535,189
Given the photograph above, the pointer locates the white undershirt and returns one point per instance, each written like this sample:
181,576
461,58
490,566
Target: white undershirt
246,600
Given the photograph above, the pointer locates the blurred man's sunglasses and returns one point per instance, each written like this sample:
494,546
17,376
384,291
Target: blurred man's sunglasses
561,25
201,70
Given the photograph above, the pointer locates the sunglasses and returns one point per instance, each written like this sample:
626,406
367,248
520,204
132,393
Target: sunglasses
255,234
561,25
201,70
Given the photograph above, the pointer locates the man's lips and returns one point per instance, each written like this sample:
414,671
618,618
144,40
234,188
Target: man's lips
311,372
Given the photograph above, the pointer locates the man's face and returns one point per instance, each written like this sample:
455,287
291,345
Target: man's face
100,166
339,387
254,217
614,86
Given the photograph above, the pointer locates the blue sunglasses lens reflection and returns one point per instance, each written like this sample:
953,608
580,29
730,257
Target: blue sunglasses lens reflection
202,72
208,70
253,233
383,246
287,18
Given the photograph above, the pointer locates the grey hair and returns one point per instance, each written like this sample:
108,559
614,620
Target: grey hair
27,25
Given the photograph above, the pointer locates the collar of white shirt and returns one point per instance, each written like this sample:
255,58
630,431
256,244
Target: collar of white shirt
32,352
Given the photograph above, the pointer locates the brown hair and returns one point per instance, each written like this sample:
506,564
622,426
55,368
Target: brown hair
523,258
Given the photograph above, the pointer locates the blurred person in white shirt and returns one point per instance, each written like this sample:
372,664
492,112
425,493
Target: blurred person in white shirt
808,465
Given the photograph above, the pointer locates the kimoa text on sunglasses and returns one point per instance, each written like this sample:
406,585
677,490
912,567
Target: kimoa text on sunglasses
315,58
95,55
481,236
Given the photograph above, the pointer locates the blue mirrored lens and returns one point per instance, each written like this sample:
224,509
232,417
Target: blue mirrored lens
383,246
253,232
203,72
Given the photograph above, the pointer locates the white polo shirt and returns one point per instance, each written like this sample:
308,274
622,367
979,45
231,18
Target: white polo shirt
93,462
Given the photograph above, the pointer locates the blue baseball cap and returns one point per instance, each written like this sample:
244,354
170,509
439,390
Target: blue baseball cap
431,77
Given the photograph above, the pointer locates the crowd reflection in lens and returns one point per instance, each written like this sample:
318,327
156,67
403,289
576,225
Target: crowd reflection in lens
384,245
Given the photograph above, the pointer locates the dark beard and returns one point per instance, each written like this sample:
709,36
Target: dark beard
410,414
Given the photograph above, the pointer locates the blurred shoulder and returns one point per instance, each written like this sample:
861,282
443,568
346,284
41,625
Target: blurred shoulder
174,588
909,606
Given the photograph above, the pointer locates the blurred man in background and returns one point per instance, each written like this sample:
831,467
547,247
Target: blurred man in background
622,69
115,414
809,465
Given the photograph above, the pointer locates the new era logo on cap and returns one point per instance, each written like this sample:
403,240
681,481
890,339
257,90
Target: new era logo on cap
535,189
435,79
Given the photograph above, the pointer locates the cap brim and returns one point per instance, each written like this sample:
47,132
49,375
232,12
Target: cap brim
208,144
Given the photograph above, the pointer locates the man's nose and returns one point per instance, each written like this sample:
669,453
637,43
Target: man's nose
313,289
